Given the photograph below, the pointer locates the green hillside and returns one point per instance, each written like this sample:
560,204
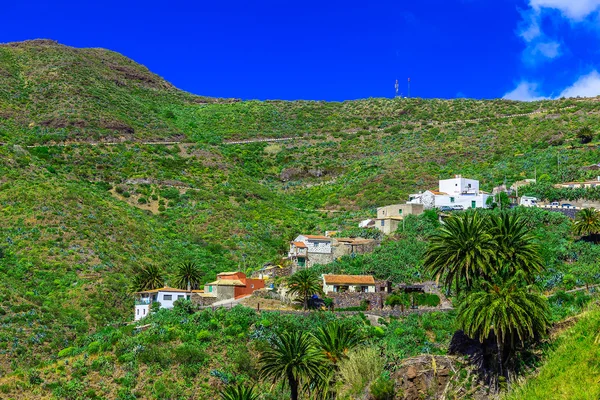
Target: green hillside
78,218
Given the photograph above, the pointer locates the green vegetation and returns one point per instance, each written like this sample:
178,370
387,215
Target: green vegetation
304,284
82,225
571,370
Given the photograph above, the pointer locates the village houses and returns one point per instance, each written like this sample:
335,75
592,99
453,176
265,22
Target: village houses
454,192
308,250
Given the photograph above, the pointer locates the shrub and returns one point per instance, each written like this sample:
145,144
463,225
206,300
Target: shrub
161,208
94,347
142,200
382,388
204,335
67,352
188,353
362,366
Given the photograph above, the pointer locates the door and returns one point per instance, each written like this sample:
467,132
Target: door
473,203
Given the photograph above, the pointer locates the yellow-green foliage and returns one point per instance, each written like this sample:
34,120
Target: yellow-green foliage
572,370
362,367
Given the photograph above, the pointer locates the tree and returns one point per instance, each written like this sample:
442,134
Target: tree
238,392
188,276
507,308
461,250
304,284
515,246
148,278
587,223
293,358
336,340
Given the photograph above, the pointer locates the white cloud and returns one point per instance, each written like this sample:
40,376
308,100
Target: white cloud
525,91
575,10
548,49
530,27
586,86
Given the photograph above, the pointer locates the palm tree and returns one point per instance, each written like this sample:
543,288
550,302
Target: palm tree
293,358
509,309
188,276
461,251
238,392
515,245
148,278
337,340
304,283
587,223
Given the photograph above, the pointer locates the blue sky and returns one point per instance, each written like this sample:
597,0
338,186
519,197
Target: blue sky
333,50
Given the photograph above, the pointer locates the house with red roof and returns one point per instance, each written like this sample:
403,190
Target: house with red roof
308,250
231,286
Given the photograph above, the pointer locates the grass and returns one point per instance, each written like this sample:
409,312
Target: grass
571,369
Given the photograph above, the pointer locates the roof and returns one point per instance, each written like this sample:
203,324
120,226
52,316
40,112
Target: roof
357,240
319,237
227,273
395,217
438,193
349,279
227,282
299,244
164,289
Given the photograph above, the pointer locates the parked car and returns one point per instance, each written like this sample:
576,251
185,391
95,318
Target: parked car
566,205
445,208
458,207
554,204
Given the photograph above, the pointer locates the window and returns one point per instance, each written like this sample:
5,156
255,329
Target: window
451,199
382,223
473,204
400,211
167,297
137,312
210,288
252,286
179,296
144,311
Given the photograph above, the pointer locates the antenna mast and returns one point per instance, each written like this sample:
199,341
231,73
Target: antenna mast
409,88
396,87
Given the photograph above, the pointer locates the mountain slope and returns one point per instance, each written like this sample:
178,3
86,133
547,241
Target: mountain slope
77,220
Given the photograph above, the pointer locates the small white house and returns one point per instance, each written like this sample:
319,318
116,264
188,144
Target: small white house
166,296
458,191
348,283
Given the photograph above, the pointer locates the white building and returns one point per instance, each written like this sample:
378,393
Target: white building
458,191
348,283
166,296
307,250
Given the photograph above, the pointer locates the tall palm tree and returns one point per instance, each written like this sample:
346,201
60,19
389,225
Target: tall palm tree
587,223
461,251
509,309
148,278
188,276
304,284
336,340
293,358
238,392
516,248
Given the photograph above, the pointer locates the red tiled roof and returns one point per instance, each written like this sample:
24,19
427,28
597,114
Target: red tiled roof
320,237
299,244
349,279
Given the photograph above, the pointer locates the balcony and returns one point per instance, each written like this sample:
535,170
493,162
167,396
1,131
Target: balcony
141,302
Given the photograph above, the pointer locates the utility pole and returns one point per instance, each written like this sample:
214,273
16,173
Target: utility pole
396,87
409,88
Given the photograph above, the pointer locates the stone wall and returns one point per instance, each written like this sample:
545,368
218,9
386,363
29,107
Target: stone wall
353,299
318,258
202,301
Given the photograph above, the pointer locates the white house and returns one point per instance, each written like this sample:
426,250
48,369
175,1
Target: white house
166,296
307,250
348,283
458,191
